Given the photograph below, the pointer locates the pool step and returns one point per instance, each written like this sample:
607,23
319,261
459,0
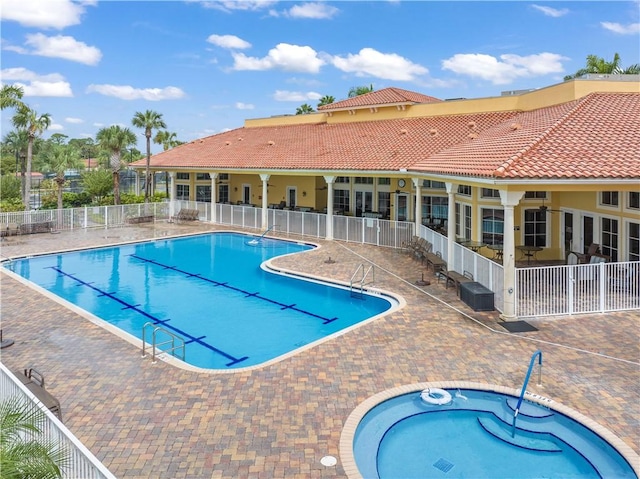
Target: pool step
523,439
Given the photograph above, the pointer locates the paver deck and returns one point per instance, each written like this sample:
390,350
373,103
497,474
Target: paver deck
146,420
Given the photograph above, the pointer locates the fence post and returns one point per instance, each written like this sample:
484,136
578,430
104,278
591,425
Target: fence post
106,217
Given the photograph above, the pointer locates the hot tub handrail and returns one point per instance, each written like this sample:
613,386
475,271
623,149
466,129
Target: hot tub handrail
538,353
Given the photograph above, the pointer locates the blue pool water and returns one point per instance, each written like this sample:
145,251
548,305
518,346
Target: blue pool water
471,437
208,289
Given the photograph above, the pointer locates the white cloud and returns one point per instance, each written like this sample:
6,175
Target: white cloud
630,29
315,10
51,85
284,57
389,66
505,69
284,95
57,14
229,41
62,46
230,5
551,12
75,121
244,106
55,127
126,92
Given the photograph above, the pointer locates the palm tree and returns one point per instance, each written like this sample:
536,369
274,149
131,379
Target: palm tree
598,65
360,90
10,96
167,139
149,120
28,119
304,109
60,159
114,139
326,100
25,450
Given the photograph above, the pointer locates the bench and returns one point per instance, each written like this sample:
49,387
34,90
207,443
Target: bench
435,261
134,220
186,215
455,279
34,382
39,227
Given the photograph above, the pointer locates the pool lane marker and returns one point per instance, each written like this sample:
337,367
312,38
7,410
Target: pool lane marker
239,290
191,339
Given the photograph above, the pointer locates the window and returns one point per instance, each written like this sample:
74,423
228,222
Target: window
363,180
384,181
203,193
538,195
342,179
436,185
182,176
223,193
341,200
535,227
609,198
384,203
492,226
223,177
182,192
202,176
464,190
610,234
490,193
634,242
435,207
634,200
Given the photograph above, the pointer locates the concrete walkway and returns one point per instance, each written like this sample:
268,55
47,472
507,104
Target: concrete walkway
146,420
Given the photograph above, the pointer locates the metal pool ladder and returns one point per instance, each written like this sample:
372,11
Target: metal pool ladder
177,343
361,282
538,353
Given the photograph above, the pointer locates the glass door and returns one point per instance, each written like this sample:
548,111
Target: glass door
402,207
587,232
364,202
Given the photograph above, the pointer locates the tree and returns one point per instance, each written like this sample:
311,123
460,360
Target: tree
168,140
10,96
114,139
97,183
34,124
598,65
59,160
326,100
304,109
149,120
360,90
25,450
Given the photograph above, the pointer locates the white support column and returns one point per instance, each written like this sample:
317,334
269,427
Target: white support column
329,180
417,182
172,194
265,201
214,194
451,223
137,179
509,200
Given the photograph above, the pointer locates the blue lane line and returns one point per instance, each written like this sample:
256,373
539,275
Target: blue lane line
226,285
155,320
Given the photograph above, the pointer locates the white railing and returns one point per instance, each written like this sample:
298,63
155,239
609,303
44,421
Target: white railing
577,289
82,464
542,291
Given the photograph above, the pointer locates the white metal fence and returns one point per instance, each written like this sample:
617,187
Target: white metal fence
541,291
82,464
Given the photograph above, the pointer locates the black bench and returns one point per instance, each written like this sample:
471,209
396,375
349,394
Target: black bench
39,227
34,382
134,220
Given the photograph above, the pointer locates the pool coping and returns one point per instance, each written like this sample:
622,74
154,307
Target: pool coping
351,423
265,265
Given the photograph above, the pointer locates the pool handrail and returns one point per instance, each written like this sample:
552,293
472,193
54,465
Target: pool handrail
538,353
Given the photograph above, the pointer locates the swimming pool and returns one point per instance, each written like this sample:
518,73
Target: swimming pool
212,290
400,435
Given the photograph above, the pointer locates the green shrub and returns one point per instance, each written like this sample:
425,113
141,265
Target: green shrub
11,205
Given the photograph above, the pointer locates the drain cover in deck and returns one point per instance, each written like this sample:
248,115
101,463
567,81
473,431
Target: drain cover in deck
518,326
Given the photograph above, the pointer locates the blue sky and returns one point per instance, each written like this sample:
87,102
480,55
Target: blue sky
208,65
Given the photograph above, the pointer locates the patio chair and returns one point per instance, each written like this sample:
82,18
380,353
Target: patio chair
584,258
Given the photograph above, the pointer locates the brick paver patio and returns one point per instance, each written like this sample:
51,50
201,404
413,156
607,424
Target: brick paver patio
146,420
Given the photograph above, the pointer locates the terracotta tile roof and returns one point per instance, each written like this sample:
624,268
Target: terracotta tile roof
597,136
374,145
386,96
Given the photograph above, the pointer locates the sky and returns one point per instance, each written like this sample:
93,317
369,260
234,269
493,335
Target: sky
206,66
